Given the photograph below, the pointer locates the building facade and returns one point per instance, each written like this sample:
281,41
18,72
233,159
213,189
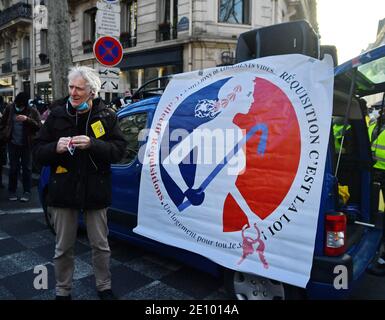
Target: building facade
159,37
380,37
380,41
15,47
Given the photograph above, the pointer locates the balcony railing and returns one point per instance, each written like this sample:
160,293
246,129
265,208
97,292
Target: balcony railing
127,40
23,64
166,32
43,58
88,46
6,67
19,10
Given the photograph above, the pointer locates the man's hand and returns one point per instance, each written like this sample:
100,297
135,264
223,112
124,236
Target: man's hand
21,118
81,142
62,144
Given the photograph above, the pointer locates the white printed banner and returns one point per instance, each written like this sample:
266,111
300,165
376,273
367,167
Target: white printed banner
234,164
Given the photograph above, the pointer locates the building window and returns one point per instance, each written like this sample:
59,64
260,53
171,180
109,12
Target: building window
137,77
27,86
25,47
89,25
24,62
43,56
44,41
6,4
150,74
168,19
44,90
8,52
133,79
234,11
6,67
128,23
170,70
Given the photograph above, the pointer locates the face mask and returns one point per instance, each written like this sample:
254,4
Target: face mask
375,114
81,107
19,109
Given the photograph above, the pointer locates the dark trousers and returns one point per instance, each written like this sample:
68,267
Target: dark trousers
3,161
19,156
379,176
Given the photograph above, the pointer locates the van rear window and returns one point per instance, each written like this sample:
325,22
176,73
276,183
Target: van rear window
374,71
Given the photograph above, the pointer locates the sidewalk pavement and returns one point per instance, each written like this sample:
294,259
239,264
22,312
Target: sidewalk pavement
11,206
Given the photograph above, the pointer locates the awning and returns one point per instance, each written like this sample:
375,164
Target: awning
7,90
156,57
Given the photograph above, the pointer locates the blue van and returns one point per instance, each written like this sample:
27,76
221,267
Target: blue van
357,222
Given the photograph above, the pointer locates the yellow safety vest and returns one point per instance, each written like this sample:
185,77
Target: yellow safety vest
378,147
337,132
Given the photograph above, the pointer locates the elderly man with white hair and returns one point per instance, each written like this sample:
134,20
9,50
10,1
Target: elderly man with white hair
79,141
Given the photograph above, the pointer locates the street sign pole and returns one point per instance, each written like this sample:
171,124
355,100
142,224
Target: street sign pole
108,50
109,78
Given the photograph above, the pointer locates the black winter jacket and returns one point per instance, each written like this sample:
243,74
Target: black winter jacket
31,125
81,180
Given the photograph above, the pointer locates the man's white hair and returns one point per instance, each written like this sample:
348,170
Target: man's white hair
89,75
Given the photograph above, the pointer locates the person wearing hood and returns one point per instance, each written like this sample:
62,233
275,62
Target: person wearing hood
19,126
3,147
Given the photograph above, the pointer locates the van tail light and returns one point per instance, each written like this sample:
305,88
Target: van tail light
335,230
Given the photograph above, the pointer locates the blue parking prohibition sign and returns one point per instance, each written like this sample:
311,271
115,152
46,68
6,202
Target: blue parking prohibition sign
108,51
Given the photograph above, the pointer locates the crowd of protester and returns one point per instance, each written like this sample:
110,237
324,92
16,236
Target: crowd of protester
16,135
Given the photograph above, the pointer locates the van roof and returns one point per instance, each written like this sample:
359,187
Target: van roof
370,71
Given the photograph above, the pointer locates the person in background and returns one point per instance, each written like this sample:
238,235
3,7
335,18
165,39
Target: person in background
3,147
116,104
2,106
338,132
46,113
374,113
376,131
128,96
40,104
20,124
79,141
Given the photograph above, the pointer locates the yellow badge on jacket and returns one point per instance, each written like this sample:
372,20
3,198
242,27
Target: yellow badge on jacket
98,129
61,169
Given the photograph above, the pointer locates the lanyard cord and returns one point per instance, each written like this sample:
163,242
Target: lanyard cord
76,117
